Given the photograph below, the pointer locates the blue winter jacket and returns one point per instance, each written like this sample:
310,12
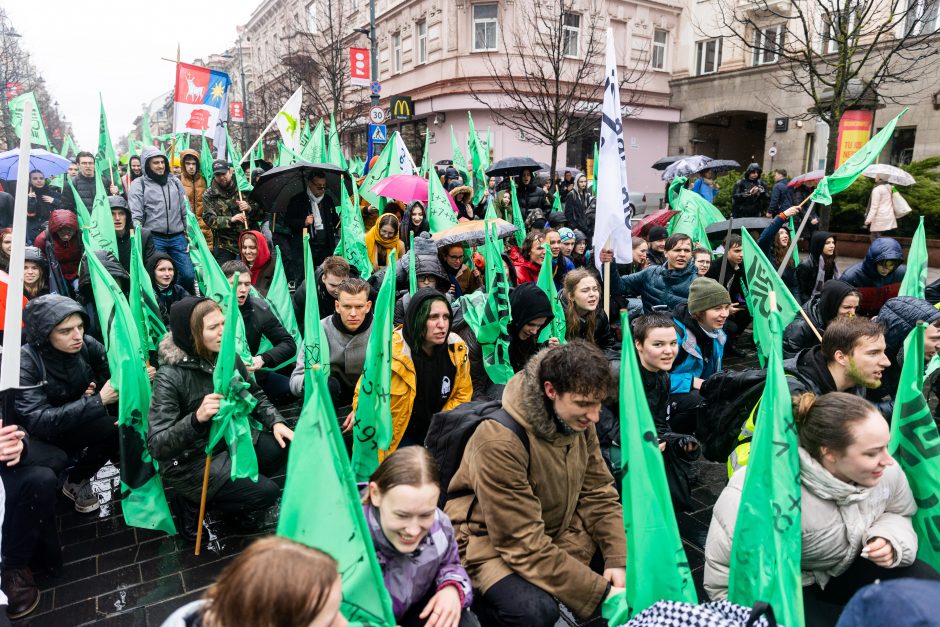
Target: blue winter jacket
657,285
865,272
694,365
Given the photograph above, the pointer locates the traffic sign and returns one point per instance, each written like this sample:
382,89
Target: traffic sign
773,151
377,115
376,88
378,133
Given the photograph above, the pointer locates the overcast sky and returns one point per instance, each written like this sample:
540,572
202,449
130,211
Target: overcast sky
114,47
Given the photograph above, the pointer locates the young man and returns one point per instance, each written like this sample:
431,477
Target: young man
121,218
226,212
659,285
84,183
535,518
734,281
333,271
781,197
195,185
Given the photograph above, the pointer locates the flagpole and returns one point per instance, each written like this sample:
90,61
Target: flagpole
202,503
261,136
607,280
724,257
799,232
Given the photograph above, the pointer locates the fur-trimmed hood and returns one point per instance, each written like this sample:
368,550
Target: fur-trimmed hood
525,400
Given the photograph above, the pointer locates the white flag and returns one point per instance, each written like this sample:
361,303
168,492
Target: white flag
612,223
288,120
406,164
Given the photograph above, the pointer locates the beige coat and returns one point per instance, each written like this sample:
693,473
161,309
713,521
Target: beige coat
881,210
838,519
540,515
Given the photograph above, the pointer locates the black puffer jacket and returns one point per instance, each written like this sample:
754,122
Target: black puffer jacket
743,203
261,321
527,302
899,316
85,186
175,438
53,400
86,294
820,309
530,196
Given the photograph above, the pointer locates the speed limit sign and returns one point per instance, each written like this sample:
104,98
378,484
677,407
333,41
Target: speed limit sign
377,115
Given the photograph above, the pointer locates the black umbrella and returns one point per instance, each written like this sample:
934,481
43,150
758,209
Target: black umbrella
720,228
511,166
277,186
665,162
720,166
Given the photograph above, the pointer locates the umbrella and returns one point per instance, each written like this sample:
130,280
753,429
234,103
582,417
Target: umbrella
472,233
407,188
657,218
687,166
809,177
48,163
575,172
278,185
719,166
665,162
511,166
889,173
720,228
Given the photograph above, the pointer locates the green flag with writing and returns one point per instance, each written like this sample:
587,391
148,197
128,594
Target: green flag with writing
37,128
143,501
914,282
321,508
915,445
97,226
372,428
767,543
557,327
336,156
279,298
143,301
106,159
762,279
352,245
853,167
477,163
658,568
460,161
440,212
315,348
386,165
517,220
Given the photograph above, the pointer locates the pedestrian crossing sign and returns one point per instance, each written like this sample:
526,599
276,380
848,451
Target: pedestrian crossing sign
378,133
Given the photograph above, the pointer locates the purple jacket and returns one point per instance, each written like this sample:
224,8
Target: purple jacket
409,578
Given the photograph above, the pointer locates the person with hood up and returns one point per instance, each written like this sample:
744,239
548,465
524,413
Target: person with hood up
820,266
86,294
84,184
856,507
878,276
430,369
656,238
880,217
255,254
63,247
836,299
195,185
65,394
530,195
158,203
42,201
749,194
162,273
429,273
579,252
529,518
181,412
666,285
414,222
576,204
35,273
382,239
122,220
227,212
531,312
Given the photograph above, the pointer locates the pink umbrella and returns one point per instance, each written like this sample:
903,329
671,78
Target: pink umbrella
407,188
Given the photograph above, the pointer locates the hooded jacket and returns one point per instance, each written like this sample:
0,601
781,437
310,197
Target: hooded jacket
40,210
261,321
576,204
404,385
696,360
656,285
262,270
124,238
53,401
877,289
195,187
808,270
173,293
158,203
174,437
821,310
219,206
427,263
527,302
899,316
837,520
743,204
539,514
63,256
530,196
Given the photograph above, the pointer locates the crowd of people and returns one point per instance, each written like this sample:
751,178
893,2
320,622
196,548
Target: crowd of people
528,514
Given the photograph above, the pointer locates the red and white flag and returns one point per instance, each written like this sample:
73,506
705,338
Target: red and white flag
199,94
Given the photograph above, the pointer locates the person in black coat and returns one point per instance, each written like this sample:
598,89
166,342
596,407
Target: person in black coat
529,194
584,316
312,210
66,394
162,273
531,312
749,194
84,184
819,267
121,218
836,299
43,200
576,204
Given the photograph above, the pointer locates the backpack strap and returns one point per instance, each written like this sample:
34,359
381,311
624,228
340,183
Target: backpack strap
502,417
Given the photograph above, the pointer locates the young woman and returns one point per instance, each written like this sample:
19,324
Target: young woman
856,508
640,249
35,273
880,217
703,260
414,542
414,222
531,312
275,581
561,265
837,299
462,198
819,266
584,317
533,255
579,252
182,407
254,252
163,276
42,201
775,242
6,245
382,239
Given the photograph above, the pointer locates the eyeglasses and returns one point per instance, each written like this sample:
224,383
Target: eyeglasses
455,257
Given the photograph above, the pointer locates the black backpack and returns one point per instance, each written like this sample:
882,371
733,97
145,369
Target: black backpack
729,399
450,431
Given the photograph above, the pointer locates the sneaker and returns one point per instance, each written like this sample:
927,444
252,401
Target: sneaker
81,493
22,593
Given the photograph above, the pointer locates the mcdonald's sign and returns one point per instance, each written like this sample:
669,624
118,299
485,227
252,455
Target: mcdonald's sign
401,107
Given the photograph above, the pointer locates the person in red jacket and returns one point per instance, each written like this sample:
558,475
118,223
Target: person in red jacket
533,254
63,247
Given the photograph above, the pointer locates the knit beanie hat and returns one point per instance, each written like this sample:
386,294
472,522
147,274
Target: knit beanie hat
706,293
566,234
656,233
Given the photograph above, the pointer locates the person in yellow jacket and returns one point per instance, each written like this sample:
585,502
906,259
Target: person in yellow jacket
430,369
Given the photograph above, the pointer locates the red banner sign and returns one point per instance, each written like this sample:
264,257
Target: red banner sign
236,111
854,132
359,67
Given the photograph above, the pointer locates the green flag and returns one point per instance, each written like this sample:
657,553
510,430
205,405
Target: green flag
143,501
852,167
352,246
37,129
235,158
97,226
336,156
460,162
767,534
106,159
372,428
412,272
477,163
231,422
695,213
143,302
556,201
282,306
315,347
762,279
314,150
68,147
305,134
205,160
440,212
321,507
658,568
915,445
557,327
387,164
517,220
146,137
426,166
915,279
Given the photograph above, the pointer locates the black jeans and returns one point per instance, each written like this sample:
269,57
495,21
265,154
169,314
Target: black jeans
684,411
29,531
244,495
93,442
411,617
276,387
514,602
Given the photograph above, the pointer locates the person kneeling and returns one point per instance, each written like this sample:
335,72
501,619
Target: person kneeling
182,409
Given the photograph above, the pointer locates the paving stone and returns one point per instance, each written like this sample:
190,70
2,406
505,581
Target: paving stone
140,595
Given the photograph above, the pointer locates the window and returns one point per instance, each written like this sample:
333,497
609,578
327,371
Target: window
312,17
660,41
484,27
422,47
837,28
571,34
921,17
396,53
707,56
767,44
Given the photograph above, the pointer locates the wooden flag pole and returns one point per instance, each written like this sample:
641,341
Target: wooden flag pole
607,280
796,238
202,504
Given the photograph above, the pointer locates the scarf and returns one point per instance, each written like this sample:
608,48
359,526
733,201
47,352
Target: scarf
821,274
375,241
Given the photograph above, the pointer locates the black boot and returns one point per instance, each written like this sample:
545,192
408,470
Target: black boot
22,593
187,518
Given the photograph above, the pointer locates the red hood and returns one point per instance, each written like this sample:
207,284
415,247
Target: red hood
61,218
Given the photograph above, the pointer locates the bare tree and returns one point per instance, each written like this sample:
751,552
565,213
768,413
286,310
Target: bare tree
842,54
548,78
14,69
